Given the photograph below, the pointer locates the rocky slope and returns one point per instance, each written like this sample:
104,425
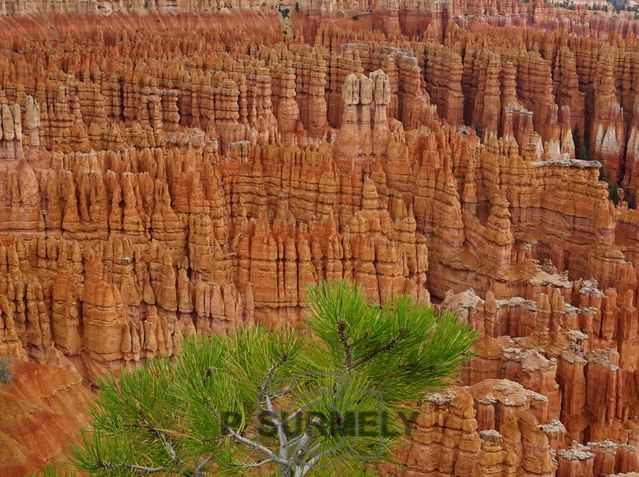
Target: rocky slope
43,409
160,177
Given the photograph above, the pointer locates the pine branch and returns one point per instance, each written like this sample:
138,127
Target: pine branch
169,447
314,452
348,352
166,441
293,416
138,469
257,464
307,466
388,347
305,442
264,389
146,470
311,463
201,467
295,440
281,435
258,447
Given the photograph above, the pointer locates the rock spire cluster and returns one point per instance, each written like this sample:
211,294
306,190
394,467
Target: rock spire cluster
161,178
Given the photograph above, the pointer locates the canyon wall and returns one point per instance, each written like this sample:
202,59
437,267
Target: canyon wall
160,178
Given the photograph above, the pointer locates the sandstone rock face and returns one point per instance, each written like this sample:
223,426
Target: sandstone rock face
43,408
160,178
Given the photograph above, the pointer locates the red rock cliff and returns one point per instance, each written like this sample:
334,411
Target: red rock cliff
162,178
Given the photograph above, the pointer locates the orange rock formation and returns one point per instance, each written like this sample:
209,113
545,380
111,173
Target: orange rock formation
159,178
43,408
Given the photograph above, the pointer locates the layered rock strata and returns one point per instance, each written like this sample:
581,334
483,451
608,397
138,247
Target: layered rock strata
160,178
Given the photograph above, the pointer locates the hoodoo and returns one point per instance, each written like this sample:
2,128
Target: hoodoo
172,168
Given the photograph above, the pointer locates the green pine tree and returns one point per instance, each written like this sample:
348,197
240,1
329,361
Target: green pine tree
321,400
